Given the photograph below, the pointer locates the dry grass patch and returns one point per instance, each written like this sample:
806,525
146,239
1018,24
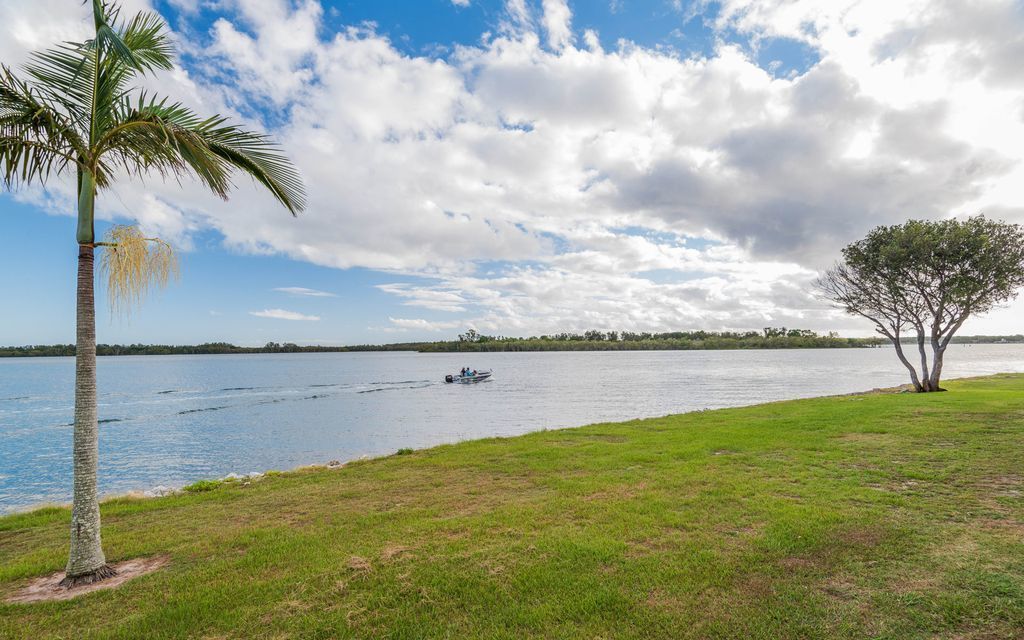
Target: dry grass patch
359,564
861,437
392,551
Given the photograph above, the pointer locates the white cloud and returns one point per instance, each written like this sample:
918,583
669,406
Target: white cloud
518,13
632,283
558,23
31,26
282,314
303,291
186,6
435,298
419,324
538,188
460,3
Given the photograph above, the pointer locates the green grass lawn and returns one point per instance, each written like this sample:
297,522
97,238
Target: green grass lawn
887,515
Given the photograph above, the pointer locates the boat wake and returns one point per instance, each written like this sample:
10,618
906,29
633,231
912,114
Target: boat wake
168,403
188,411
398,386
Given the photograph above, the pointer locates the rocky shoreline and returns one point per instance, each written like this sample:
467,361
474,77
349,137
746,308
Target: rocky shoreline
161,491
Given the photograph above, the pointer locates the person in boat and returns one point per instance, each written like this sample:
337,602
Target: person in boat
462,372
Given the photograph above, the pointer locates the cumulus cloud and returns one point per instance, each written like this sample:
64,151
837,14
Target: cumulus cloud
303,291
518,15
436,298
525,185
419,324
558,23
282,314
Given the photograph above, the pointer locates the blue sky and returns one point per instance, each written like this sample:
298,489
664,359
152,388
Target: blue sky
663,230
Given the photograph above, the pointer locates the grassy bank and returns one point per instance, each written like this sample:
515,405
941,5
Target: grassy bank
895,516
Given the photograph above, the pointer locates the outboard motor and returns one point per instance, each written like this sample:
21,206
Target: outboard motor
449,378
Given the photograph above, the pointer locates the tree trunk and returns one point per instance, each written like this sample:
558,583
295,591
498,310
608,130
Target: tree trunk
938,353
86,562
925,376
906,363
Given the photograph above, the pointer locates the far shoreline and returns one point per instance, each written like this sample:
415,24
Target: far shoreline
561,343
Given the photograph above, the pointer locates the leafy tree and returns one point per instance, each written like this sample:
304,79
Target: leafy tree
927,278
75,112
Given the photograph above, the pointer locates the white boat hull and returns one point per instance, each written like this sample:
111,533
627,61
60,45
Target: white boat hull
479,377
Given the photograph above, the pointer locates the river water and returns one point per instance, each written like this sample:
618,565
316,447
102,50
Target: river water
171,420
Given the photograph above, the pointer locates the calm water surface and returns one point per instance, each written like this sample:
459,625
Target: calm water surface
170,420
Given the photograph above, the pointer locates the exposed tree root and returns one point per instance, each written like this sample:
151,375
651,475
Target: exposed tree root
99,575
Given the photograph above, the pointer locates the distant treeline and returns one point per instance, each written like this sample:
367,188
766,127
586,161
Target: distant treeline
768,338
1017,339
198,349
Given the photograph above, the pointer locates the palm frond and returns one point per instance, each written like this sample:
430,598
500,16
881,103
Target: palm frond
87,80
140,46
153,135
36,140
146,37
172,139
262,159
63,76
107,39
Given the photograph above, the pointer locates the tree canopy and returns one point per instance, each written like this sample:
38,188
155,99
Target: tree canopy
928,278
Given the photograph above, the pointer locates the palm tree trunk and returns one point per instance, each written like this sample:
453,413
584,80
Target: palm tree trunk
86,562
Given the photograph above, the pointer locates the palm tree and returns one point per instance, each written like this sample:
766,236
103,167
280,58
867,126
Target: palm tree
77,112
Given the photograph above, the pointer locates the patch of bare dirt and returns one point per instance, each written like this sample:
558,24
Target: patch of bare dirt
754,587
895,486
658,598
840,588
359,564
1007,526
48,588
1000,633
647,547
1010,486
797,563
392,551
916,583
865,537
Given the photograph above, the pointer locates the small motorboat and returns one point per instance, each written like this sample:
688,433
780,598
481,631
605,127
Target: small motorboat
469,378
